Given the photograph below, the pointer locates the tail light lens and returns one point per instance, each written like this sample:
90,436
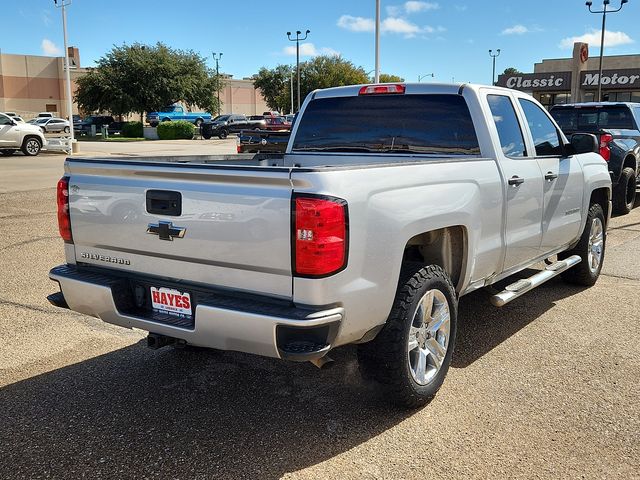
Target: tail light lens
320,235
64,218
381,89
605,140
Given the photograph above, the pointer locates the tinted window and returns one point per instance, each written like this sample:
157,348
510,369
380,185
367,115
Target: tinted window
593,118
545,135
509,133
430,124
4,120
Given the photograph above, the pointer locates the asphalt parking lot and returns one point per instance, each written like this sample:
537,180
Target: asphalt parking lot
546,387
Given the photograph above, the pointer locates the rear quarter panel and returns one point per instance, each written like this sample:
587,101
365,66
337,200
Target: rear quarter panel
388,205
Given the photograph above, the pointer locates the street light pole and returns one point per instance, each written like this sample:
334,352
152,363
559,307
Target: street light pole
376,77
217,59
493,72
604,12
297,40
291,88
63,4
420,77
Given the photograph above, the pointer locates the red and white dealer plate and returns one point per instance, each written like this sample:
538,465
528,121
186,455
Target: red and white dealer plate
171,301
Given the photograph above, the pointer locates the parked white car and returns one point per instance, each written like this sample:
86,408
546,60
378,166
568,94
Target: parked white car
20,136
52,125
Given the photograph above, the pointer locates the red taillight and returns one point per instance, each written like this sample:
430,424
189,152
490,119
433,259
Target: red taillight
605,140
320,235
381,89
64,219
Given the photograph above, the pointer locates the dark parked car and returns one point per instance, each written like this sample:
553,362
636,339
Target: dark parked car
84,127
617,127
223,125
261,141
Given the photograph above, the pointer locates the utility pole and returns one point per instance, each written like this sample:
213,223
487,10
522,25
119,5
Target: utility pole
297,40
604,12
493,72
62,5
291,78
217,59
376,78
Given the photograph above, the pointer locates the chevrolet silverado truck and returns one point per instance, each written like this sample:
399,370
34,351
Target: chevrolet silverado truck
617,126
368,230
177,112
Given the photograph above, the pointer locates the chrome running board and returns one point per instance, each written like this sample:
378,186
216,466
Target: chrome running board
513,291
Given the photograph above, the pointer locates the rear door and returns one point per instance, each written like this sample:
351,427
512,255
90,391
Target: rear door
563,178
225,227
523,183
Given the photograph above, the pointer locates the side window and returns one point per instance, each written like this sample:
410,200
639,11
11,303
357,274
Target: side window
4,120
545,135
504,117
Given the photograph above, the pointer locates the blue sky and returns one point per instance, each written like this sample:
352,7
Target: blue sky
448,38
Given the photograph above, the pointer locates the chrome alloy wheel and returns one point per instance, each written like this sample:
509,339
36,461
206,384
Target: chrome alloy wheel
429,336
32,146
596,245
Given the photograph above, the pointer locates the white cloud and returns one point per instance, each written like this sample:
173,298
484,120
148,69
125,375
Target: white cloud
50,48
611,39
399,25
309,50
515,30
356,24
414,7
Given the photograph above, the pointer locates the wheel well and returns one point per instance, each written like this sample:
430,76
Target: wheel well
601,197
630,161
27,137
445,247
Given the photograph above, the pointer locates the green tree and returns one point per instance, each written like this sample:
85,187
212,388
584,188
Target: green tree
274,84
326,71
388,78
511,71
141,78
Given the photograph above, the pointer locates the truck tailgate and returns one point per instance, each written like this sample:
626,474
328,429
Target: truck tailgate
232,229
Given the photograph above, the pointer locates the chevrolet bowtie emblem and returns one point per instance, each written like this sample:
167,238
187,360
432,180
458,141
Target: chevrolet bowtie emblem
166,230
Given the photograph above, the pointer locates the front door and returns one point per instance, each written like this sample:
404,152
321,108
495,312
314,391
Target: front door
522,184
562,177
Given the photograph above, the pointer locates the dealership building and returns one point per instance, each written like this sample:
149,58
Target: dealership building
30,84
575,79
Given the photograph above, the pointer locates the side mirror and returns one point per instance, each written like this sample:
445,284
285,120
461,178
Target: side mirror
584,143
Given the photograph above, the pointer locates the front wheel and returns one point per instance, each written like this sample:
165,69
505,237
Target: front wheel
590,249
223,134
624,193
67,129
411,355
31,146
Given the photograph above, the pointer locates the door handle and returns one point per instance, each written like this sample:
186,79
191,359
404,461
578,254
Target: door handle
550,176
516,180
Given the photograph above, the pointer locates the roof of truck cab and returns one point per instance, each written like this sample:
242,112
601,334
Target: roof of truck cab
597,104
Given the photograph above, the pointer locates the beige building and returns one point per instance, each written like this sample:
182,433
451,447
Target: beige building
575,79
30,84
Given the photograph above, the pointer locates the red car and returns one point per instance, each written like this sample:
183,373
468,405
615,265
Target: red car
276,123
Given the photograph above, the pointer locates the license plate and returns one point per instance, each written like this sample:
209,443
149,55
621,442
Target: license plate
167,300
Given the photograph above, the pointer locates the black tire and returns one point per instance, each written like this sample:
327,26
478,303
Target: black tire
31,146
388,359
223,134
67,129
206,134
199,122
7,153
584,273
624,193
166,120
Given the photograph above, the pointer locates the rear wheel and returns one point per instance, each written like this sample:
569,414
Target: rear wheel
590,248
198,122
223,134
7,153
66,130
624,194
411,355
31,146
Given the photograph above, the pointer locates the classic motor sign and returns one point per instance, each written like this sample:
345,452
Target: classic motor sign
556,81
612,79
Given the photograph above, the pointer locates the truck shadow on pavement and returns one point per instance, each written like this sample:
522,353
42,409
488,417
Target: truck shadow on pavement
137,413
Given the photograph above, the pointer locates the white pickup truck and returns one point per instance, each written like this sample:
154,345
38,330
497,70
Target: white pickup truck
391,202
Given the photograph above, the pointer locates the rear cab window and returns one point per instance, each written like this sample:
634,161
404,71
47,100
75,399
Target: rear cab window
507,125
437,124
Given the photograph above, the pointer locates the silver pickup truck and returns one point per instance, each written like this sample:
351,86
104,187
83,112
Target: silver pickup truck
391,202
